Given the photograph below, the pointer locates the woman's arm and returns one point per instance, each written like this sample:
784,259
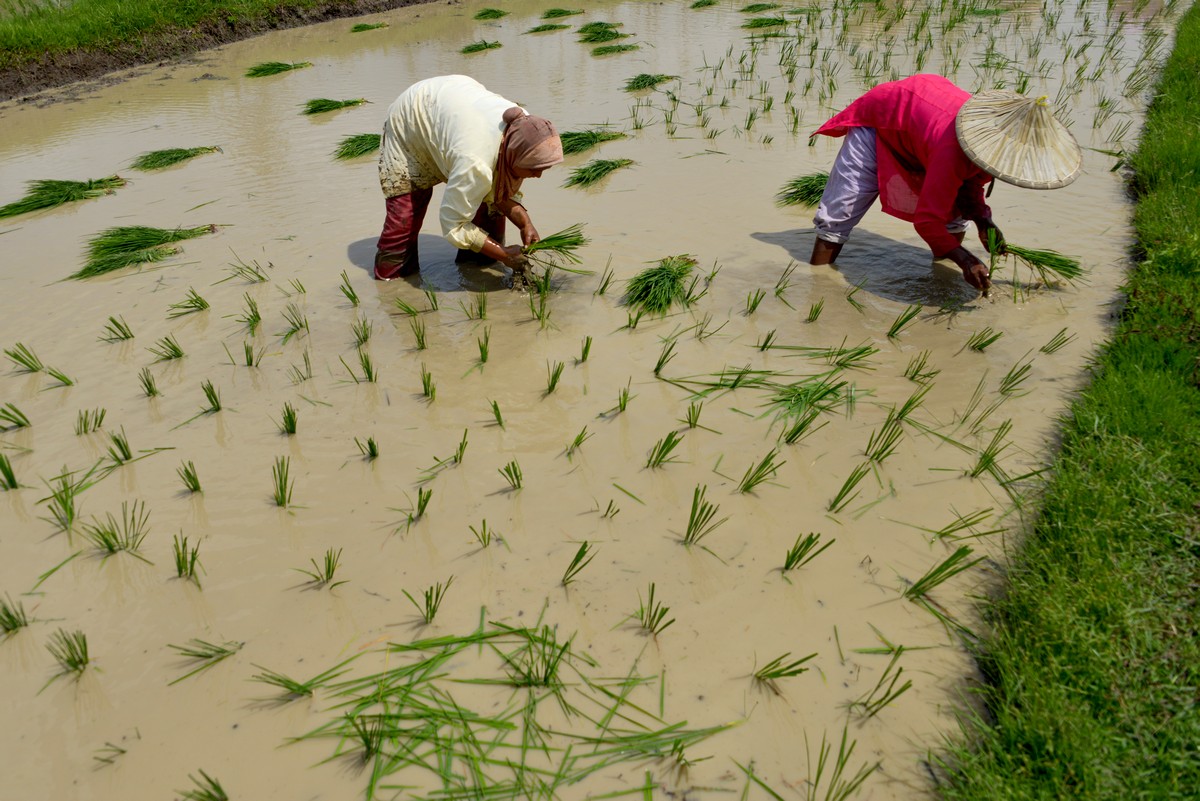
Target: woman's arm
519,216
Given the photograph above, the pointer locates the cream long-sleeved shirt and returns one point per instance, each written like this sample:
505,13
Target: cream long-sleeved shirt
445,129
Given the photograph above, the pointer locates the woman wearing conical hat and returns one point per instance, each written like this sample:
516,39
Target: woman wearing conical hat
927,149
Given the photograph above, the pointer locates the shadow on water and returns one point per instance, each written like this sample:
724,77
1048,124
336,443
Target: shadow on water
438,272
886,268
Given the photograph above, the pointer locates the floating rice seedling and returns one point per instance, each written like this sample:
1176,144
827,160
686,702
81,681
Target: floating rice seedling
612,50
8,478
761,472
369,449
553,374
547,28
966,522
902,320
651,615
656,288
119,451
847,493
883,441
48,193
203,655
282,483
187,475
758,23
660,454
918,369
802,551
161,159
24,359
583,557
480,46
148,383
668,353
758,8
299,689
12,616
1057,342
111,535
600,32
70,651
753,299
266,68
988,461
296,321
700,519
418,330
559,13
206,789
645,80
1012,381
595,170
490,13
189,305
322,574
942,572
980,340
126,246
357,145
512,473
814,311
575,142
885,690
431,601
58,375
322,105
428,388
116,330
250,272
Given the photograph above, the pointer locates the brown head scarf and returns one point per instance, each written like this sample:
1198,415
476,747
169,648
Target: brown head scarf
530,143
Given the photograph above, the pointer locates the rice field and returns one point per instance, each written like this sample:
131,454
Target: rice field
687,517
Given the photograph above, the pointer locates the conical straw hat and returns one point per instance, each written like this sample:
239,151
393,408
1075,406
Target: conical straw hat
1017,139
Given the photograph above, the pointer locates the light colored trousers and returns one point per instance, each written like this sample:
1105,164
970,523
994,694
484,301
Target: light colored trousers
853,186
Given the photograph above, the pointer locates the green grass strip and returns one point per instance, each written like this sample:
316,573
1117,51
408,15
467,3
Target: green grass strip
48,193
1092,662
161,159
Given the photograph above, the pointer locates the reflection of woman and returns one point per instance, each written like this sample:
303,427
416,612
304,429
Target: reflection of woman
927,148
450,129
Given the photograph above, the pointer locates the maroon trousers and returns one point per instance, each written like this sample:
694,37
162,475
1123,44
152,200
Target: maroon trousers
396,253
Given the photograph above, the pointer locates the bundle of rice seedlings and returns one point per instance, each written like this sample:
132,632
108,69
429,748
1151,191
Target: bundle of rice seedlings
558,13
48,193
595,170
480,46
368,26
758,8
803,191
600,32
558,249
491,13
647,81
574,142
549,26
1050,265
125,246
321,105
161,159
656,288
357,145
703,3
275,67
764,22
608,50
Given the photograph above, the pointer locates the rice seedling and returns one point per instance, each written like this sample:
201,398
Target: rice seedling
322,574
148,383
282,484
431,601
804,190
558,249
583,436
980,340
116,330
553,374
287,419
418,330
780,668
369,449
632,319
161,159
266,68
428,388
512,474
125,246
854,290
296,321
583,557
8,478
407,308
189,305
656,288
988,461
203,655
483,535
1050,265
883,441
1012,381
207,789
847,492
759,23
61,501
347,289
612,50
623,397
700,519
70,651
111,535
753,299
942,572
357,145
651,615
12,616
1057,342
767,339
361,27
478,308
547,27
759,473
917,369
490,13
188,476
758,8
292,688
902,320
885,690
480,46
119,451
595,170
251,272
703,4
644,80
599,33
24,359
668,353
660,454
559,13
166,349
62,378
49,193
575,142
802,551
322,105
610,511
585,350
251,317
213,396
298,375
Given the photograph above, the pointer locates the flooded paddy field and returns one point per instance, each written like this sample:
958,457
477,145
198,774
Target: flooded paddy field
412,558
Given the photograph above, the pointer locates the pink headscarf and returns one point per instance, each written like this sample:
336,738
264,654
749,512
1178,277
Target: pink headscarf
530,143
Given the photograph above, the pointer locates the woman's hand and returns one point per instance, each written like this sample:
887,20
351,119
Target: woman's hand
529,234
974,271
999,246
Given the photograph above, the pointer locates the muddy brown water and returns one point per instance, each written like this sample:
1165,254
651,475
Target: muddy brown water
283,203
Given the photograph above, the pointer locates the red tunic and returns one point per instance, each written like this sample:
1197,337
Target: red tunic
924,176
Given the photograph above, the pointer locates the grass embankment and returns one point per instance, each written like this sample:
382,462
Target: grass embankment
1093,665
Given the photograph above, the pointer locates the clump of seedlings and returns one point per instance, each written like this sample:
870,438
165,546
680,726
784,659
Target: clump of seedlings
125,246
12,616
161,159
595,171
357,145
431,600
207,789
574,142
480,46
203,655
980,340
282,483
600,32
322,574
803,551
885,690
583,557
559,13
12,417
758,23
805,190
1057,342
646,80
657,288
761,472
512,473
189,305
651,615
148,383
49,193
611,50
8,479
70,651
780,668
368,26
548,27
660,454
700,519
369,449
490,13
24,359
558,249
187,559
758,8
266,68
116,330
322,105
703,4
166,349
111,535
